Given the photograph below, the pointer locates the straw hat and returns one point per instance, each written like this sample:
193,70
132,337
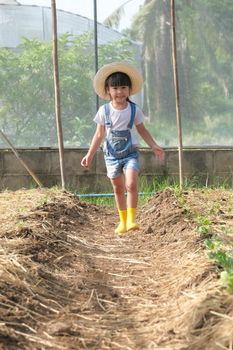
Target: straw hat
114,67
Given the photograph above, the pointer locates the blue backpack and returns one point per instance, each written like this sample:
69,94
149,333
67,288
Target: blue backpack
119,142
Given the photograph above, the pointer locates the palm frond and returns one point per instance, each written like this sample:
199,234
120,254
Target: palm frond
113,21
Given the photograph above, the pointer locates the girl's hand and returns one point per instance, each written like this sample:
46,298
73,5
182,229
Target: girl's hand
95,143
159,152
86,161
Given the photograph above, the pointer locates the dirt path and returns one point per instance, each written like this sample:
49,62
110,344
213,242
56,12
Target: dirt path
68,282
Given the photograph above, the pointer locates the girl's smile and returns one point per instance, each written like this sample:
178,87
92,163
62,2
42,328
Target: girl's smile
119,95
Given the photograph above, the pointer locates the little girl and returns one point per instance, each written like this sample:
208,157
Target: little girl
117,121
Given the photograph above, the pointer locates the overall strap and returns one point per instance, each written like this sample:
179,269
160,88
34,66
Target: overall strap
107,118
132,117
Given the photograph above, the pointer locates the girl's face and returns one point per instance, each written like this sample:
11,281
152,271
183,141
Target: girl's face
119,94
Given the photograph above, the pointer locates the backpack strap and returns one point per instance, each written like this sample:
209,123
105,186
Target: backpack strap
107,118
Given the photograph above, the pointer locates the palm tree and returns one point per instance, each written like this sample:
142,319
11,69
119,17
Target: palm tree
151,27
204,43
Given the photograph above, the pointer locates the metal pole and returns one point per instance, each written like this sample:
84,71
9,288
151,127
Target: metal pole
57,92
177,95
96,46
21,160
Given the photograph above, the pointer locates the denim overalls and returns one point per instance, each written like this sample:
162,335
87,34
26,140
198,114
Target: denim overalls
120,153
119,142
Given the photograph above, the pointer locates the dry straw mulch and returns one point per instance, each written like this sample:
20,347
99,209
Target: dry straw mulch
68,282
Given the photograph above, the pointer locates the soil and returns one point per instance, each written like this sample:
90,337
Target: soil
69,282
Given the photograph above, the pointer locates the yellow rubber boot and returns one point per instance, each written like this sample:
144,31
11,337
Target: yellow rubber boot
121,228
131,216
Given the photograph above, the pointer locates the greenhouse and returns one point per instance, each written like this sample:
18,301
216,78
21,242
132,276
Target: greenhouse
204,47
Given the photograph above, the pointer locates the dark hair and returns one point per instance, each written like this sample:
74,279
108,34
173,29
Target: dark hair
118,79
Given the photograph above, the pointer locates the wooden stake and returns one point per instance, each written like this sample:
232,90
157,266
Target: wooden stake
57,92
177,95
21,160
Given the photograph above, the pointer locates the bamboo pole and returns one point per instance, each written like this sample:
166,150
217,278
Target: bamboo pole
177,94
21,160
57,92
96,46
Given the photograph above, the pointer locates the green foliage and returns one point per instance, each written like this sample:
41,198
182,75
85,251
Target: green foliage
224,259
155,184
27,112
213,244
107,201
205,69
226,279
203,225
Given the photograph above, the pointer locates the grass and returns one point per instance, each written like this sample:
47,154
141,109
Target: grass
146,191
109,201
106,201
147,188
157,184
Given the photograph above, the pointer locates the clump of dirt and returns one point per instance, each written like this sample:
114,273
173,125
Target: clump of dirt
68,282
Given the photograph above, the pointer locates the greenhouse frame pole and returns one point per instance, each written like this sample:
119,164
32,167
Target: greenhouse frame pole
33,175
96,46
177,94
57,92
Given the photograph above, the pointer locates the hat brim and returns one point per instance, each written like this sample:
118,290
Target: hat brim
114,67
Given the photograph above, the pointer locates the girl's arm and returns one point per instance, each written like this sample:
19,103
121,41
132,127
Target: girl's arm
144,133
95,143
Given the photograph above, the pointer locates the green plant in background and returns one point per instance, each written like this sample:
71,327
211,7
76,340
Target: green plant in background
224,260
156,184
204,42
227,230
214,209
27,111
203,225
213,244
226,278
20,225
43,200
106,201
179,195
146,190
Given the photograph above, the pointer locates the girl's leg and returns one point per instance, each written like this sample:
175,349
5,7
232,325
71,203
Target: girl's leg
131,184
118,185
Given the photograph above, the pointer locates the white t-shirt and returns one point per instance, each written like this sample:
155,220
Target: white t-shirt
120,120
